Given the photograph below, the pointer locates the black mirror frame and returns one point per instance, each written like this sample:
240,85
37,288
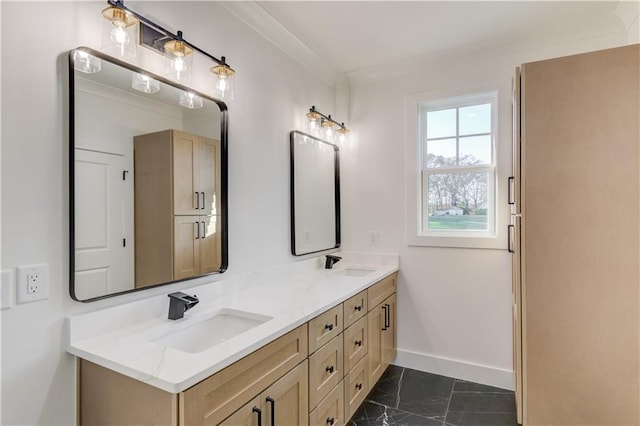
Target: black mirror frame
224,122
336,151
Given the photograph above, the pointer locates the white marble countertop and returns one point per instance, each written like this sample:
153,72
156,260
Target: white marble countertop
121,337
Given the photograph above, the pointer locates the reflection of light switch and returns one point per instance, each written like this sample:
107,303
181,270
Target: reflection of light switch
306,236
374,237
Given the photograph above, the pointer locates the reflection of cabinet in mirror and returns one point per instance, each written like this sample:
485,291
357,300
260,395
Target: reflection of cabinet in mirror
177,186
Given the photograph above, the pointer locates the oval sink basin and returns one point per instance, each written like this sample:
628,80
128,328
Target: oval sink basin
355,272
223,325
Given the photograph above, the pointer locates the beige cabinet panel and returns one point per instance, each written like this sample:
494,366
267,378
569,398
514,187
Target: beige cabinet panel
375,324
325,370
381,290
185,173
356,343
210,244
325,327
186,246
389,330
356,385
286,401
208,175
355,308
330,411
249,415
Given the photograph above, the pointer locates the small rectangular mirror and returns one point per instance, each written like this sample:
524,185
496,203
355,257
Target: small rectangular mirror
147,166
315,194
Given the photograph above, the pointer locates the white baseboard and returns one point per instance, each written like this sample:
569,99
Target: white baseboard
463,370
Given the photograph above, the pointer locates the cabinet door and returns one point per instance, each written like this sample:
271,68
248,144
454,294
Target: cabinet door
208,175
248,415
389,332
186,197
375,324
286,402
209,244
186,246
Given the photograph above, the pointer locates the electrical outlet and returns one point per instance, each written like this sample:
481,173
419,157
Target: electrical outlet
6,293
33,283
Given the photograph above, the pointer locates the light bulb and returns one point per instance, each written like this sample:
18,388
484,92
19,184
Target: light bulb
342,138
190,100
313,125
222,84
328,133
119,35
179,65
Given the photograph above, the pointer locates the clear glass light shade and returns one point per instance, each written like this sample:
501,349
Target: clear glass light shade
119,33
84,62
313,123
342,135
223,87
191,101
327,131
144,83
178,61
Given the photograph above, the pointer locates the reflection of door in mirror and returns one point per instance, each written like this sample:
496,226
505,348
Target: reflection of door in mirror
176,186
104,220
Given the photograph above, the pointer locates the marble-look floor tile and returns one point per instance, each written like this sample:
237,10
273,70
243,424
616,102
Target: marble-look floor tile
424,394
386,390
371,414
464,386
482,402
465,418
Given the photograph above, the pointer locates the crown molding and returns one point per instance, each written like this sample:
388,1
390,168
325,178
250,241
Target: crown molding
252,14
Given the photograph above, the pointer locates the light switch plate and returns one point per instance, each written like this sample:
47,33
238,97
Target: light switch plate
32,283
6,289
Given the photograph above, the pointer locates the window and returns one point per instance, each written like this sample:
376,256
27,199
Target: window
456,170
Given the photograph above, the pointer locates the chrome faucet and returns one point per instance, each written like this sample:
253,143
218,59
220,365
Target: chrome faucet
179,303
331,260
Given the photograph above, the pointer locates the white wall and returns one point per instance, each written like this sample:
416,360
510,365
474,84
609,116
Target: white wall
272,94
454,304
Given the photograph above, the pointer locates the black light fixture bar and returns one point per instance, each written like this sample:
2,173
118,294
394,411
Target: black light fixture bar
147,22
313,110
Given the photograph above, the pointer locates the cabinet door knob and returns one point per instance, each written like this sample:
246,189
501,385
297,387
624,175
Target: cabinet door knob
358,342
359,386
330,420
330,369
328,327
259,413
357,308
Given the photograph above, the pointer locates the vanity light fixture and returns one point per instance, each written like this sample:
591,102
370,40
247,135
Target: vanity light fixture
190,100
177,51
318,121
144,83
119,32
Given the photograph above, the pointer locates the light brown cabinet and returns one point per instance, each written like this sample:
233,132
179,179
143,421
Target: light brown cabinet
382,337
280,384
177,187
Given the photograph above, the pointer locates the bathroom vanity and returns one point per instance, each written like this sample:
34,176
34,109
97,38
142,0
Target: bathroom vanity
315,343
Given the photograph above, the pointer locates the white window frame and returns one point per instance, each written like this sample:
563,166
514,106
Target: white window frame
491,238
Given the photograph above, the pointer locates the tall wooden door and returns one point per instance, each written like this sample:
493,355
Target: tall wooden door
186,194
210,258
389,331
375,358
581,249
287,400
103,221
209,175
186,246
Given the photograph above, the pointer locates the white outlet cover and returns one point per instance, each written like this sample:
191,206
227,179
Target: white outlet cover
6,289
22,295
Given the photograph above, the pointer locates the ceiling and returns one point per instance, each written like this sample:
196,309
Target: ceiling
356,35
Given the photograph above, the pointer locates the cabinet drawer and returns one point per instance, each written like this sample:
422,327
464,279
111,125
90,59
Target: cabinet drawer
356,387
324,327
330,411
355,308
356,343
214,399
381,290
325,370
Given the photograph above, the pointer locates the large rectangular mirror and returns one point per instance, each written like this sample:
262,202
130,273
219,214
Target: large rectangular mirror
148,179
315,194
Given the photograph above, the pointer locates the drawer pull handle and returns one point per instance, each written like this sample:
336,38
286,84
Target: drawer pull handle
329,369
359,386
357,308
328,327
273,410
358,342
202,201
330,420
384,325
197,200
259,413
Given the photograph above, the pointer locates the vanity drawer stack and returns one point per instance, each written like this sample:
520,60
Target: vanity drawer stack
318,374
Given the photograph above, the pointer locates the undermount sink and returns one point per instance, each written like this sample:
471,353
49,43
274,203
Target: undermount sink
224,325
355,271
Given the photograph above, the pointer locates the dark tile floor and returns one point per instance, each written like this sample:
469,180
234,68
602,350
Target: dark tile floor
410,397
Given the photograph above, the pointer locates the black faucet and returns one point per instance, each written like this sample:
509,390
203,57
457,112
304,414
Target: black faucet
331,260
179,303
